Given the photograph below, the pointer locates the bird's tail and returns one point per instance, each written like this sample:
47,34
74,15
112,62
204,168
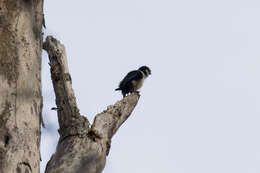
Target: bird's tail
117,89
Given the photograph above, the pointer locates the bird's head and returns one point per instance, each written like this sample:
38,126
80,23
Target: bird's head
146,70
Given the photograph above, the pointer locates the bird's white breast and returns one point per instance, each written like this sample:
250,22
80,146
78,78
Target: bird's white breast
138,84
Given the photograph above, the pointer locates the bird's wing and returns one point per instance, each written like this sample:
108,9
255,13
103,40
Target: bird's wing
131,76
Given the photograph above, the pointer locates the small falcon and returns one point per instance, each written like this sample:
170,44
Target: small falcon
134,80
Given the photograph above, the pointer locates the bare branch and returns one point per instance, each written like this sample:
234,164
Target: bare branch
81,149
107,123
70,120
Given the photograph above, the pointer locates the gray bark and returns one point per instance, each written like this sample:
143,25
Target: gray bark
20,85
81,148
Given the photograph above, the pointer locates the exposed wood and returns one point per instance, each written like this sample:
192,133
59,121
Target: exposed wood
20,89
70,120
81,149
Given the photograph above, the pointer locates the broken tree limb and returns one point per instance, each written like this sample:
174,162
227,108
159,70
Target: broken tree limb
80,148
106,123
70,120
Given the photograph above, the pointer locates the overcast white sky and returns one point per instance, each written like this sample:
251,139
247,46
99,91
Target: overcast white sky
199,111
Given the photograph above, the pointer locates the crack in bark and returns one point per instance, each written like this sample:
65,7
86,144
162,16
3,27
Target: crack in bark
7,138
108,145
26,164
93,135
5,115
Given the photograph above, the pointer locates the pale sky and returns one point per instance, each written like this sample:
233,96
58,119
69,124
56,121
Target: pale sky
199,111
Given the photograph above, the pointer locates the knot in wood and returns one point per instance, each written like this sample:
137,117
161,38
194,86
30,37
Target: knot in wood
114,110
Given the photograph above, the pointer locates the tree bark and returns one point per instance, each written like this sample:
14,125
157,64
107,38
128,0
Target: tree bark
81,148
20,89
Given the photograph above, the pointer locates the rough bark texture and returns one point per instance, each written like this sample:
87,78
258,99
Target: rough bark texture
20,89
81,148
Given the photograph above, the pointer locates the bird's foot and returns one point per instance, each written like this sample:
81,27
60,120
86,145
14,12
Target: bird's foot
137,92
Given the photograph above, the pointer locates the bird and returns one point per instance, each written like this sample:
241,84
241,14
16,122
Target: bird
133,80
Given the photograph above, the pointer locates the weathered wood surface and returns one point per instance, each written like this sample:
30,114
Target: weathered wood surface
81,148
20,85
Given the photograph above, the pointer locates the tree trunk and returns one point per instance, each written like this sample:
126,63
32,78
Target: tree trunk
20,85
81,149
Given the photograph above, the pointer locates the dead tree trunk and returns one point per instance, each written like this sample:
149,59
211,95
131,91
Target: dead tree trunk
81,148
20,85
